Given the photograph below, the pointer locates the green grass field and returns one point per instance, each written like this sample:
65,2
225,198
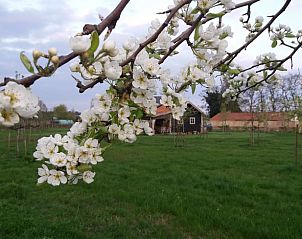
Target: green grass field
215,187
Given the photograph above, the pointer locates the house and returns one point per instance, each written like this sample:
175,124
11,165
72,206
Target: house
274,121
191,122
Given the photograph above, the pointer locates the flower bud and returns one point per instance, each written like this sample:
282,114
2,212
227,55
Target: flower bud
258,25
113,53
109,46
37,54
52,51
55,59
74,67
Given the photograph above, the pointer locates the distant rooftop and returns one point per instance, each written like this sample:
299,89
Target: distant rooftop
247,116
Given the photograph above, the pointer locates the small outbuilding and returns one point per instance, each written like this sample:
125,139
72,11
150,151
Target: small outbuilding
273,121
191,122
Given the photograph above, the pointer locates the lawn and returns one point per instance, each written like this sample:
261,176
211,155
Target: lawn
214,187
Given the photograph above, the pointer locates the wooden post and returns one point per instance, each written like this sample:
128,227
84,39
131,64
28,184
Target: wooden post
8,141
170,124
17,143
25,146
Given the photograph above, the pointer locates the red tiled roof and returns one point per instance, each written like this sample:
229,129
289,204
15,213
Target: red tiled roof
246,116
162,110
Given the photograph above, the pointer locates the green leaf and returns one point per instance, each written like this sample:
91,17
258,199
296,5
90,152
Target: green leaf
139,114
26,62
195,10
264,74
233,71
224,68
131,118
149,50
196,33
290,35
156,56
281,68
193,87
95,41
84,167
274,43
103,129
215,15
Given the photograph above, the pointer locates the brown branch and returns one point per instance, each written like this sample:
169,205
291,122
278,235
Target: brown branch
109,21
285,44
184,37
82,87
235,53
289,57
153,37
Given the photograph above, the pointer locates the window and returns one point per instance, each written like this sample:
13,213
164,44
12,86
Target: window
192,120
181,121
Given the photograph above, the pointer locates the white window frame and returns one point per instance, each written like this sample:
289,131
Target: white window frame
192,120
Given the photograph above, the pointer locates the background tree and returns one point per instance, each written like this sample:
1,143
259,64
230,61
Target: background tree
61,112
215,102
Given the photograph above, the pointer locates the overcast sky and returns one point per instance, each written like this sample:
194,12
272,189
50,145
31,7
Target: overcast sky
36,24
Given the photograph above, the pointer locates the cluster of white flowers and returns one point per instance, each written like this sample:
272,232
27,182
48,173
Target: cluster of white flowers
253,29
196,74
228,4
17,101
175,101
267,58
282,31
207,4
241,81
104,64
72,156
211,44
69,159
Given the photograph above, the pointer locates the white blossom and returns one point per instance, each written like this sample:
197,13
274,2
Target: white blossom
123,114
56,177
140,80
8,117
113,70
43,173
88,177
151,66
79,44
71,168
58,159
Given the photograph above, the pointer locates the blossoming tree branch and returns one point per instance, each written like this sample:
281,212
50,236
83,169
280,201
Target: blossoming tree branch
134,74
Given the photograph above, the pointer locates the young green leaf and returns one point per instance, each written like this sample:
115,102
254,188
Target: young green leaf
193,87
214,15
84,167
281,68
26,62
195,10
290,35
196,33
156,56
274,43
95,41
233,71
